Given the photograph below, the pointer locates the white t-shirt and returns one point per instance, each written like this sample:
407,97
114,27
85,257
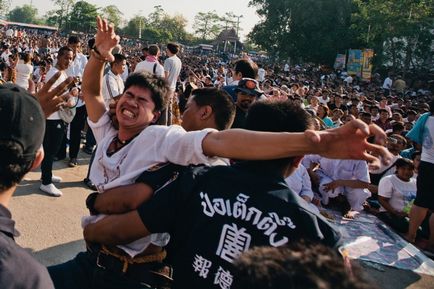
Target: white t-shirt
112,86
299,182
23,75
53,70
428,139
173,66
399,192
261,74
155,144
387,84
149,67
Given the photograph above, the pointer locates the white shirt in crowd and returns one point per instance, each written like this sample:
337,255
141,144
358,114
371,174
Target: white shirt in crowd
399,192
261,74
148,66
387,84
299,182
63,76
173,66
23,74
112,86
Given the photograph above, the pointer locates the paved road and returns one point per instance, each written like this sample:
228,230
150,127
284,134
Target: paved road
50,227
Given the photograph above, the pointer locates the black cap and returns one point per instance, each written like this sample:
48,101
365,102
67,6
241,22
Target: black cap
249,86
21,119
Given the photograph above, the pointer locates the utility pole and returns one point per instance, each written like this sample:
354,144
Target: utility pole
238,27
140,24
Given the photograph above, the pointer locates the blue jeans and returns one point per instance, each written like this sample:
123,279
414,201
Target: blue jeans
83,272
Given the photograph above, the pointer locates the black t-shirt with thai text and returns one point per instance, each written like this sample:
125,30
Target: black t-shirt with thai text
213,214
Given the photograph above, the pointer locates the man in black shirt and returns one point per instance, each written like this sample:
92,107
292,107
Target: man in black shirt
215,214
247,92
21,135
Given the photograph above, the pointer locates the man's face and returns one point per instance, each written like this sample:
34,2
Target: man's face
244,100
65,60
190,117
75,47
119,67
384,115
374,111
135,109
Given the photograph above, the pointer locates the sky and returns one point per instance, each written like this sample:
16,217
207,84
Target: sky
188,8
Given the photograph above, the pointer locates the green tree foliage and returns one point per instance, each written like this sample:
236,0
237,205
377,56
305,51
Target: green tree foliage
113,15
82,17
401,32
25,14
207,25
158,27
305,30
60,17
4,7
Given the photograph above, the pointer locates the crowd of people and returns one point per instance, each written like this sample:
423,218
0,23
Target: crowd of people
181,197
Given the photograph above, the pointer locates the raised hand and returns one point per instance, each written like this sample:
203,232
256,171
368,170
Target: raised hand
51,100
105,39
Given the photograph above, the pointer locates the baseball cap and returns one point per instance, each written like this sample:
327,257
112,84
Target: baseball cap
22,119
249,86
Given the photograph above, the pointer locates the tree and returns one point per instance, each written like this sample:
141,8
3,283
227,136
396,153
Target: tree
83,16
207,25
401,32
4,7
25,14
113,15
305,30
60,17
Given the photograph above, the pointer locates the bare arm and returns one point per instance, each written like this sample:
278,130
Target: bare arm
116,229
346,142
105,41
123,199
386,205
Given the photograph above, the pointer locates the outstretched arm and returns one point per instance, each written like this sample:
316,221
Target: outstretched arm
123,199
105,41
346,142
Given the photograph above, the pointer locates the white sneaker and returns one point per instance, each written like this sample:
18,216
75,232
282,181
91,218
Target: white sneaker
51,190
56,179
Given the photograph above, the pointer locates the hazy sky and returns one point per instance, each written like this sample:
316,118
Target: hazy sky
188,8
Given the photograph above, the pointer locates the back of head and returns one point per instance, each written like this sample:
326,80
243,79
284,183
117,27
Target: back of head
63,50
221,103
157,86
247,68
173,48
153,49
73,39
21,133
298,266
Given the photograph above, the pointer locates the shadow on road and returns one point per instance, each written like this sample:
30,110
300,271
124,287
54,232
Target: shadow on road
58,254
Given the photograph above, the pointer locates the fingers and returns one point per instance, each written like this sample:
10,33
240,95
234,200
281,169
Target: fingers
381,151
46,87
357,124
312,135
58,90
380,135
99,23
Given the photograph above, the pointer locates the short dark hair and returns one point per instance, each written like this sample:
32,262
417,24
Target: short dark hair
13,164
300,265
221,103
157,86
403,162
118,58
153,49
277,116
173,47
247,68
73,39
63,50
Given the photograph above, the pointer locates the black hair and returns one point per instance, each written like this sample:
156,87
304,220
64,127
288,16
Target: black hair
247,68
277,116
173,47
64,50
157,86
221,103
403,162
13,165
73,39
118,58
300,265
153,49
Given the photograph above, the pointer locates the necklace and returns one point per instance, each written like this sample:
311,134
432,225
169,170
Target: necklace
118,144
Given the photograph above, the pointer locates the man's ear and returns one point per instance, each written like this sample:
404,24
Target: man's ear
38,158
157,115
206,112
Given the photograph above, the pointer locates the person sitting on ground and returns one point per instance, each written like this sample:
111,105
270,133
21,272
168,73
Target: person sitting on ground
396,194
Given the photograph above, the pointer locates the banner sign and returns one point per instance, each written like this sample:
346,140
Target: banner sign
340,61
368,54
354,64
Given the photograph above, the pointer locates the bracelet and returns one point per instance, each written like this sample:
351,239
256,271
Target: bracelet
98,56
90,203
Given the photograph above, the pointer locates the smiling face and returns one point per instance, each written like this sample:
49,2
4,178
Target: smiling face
136,109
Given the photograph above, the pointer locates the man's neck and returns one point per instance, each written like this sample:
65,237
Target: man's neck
128,134
5,196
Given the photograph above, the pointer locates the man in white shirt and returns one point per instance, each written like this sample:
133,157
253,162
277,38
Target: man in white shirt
261,73
172,68
151,64
113,85
387,84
